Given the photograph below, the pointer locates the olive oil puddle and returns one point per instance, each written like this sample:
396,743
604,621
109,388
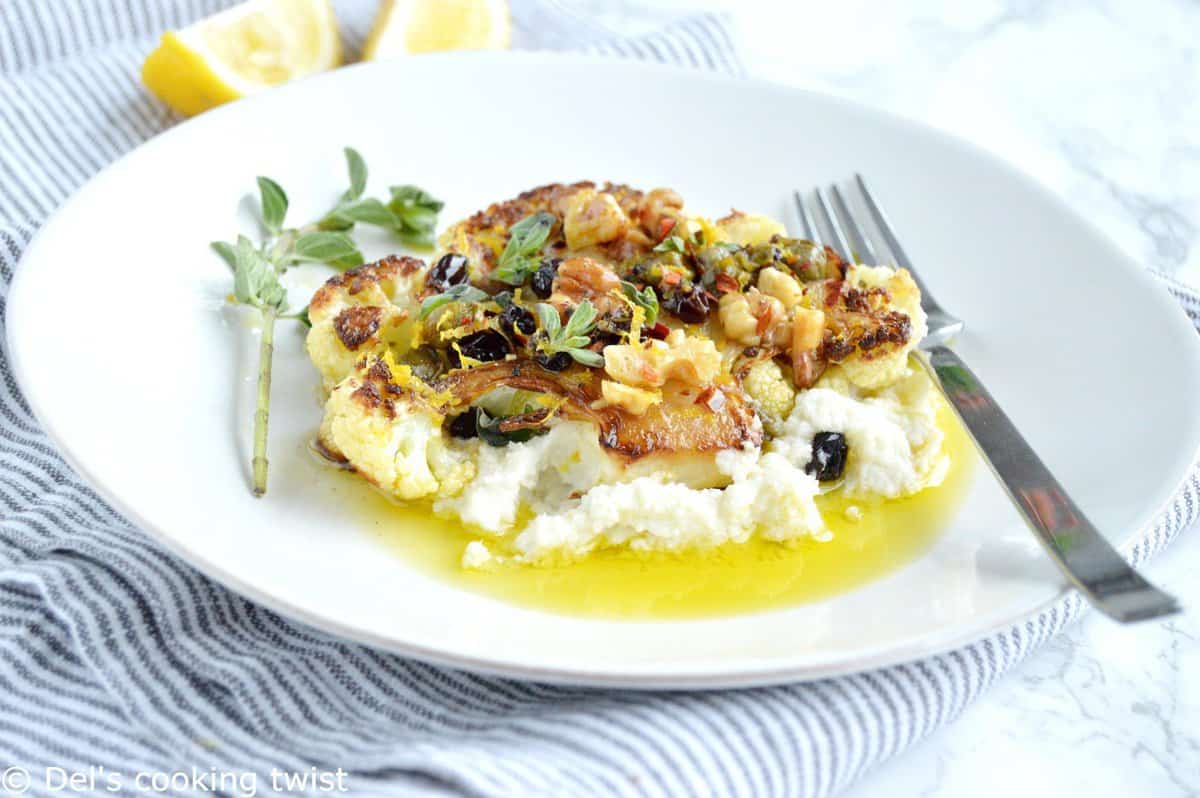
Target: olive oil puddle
731,579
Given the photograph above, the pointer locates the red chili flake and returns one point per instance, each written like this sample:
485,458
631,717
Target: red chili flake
726,283
712,397
658,331
671,279
665,226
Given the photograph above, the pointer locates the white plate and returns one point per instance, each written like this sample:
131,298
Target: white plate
139,371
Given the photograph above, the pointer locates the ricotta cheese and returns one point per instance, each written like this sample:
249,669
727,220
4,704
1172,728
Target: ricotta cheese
579,503
895,446
771,497
540,474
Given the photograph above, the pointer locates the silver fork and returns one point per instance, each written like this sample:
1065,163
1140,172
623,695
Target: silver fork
1080,551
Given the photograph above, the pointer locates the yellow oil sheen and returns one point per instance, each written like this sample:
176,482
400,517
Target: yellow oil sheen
731,579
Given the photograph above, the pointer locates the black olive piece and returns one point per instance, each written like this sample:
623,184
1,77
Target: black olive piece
451,269
484,346
465,425
517,319
828,456
556,362
691,307
543,279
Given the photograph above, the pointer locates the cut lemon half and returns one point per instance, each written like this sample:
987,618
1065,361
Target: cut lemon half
423,26
242,50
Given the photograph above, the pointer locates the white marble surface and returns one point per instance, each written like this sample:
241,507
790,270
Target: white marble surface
1100,101
1102,711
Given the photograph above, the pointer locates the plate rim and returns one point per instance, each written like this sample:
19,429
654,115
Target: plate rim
701,675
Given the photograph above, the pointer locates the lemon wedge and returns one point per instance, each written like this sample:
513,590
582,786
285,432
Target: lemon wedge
423,26
242,50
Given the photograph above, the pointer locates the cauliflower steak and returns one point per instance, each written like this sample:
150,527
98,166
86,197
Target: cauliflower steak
579,336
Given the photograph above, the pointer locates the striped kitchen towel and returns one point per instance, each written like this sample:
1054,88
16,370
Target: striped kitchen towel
117,658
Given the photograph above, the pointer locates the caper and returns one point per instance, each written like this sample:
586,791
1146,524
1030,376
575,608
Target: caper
542,281
516,319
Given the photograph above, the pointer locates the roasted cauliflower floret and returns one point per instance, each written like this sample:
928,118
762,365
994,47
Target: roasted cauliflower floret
359,313
396,444
886,364
749,228
772,392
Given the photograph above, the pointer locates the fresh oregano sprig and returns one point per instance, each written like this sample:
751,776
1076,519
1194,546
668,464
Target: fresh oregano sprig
274,204
257,268
570,337
415,212
457,293
646,299
255,280
352,206
256,284
410,215
522,253
671,244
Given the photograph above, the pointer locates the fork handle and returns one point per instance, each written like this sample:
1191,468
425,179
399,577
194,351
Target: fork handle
1087,559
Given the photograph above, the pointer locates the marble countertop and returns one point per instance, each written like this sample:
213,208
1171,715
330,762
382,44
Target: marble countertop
1103,711
1100,101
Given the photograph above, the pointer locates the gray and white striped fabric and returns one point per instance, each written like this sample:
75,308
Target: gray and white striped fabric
115,654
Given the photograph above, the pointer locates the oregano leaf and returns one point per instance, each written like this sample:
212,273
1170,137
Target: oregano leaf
357,169
274,203
335,249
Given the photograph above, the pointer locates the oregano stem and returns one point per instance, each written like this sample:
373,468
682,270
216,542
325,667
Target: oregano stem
262,407
258,267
